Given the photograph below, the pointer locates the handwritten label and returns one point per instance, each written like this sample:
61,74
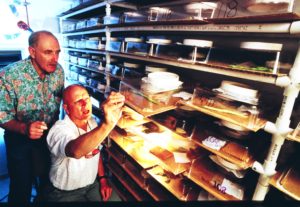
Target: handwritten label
233,189
214,143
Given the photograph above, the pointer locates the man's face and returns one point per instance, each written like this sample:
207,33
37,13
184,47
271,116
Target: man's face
79,106
45,54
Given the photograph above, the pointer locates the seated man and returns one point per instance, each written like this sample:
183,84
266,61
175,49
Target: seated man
74,145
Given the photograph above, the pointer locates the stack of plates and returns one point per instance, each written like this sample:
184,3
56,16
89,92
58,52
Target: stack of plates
157,82
238,92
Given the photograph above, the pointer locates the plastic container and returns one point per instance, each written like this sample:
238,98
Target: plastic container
252,56
93,22
239,112
93,43
196,50
163,48
132,70
133,16
135,46
114,44
145,102
201,10
81,25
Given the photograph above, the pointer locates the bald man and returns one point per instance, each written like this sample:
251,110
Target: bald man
74,145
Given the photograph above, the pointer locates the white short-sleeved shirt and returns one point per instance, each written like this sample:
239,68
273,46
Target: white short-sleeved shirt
67,173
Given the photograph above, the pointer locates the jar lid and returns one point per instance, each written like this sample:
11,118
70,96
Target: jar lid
261,46
198,43
114,39
94,38
133,39
152,68
131,65
160,41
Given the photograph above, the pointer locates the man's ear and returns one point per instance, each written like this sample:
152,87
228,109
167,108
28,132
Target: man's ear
31,51
65,106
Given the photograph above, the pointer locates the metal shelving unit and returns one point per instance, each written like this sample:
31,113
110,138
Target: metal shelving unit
280,130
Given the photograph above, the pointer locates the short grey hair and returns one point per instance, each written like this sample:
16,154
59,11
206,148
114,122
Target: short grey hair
35,36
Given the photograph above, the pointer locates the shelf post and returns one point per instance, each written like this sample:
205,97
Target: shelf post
282,128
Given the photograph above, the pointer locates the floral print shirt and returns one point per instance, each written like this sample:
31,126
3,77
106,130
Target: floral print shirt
26,97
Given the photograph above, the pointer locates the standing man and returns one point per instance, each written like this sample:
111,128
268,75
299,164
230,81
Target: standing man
74,145
30,92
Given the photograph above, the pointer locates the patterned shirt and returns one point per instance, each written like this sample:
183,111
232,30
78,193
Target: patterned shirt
26,97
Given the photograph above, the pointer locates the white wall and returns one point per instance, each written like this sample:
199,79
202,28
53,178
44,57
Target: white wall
42,16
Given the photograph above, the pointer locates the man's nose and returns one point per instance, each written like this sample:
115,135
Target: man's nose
83,103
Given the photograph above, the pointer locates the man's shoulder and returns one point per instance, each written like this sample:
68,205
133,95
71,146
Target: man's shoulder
14,68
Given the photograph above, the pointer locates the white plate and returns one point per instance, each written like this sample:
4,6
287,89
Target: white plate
197,43
232,97
133,39
164,78
261,46
131,65
150,88
160,41
228,164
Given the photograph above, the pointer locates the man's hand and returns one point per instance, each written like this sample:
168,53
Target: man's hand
112,107
36,129
105,189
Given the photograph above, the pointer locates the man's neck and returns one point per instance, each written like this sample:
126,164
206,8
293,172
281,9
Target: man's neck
39,71
81,124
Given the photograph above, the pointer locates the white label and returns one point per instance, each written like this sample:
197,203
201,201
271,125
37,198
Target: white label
181,157
232,189
214,143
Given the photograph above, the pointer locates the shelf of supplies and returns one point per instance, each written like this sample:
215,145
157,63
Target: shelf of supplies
174,184
138,193
155,191
127,167
127,121
295,134
247,75
168,162
82,9
87,31
120,189
98,52
135,149
236,119
201,174
293,138
234,153
283,28
291,185
198,141
87,68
